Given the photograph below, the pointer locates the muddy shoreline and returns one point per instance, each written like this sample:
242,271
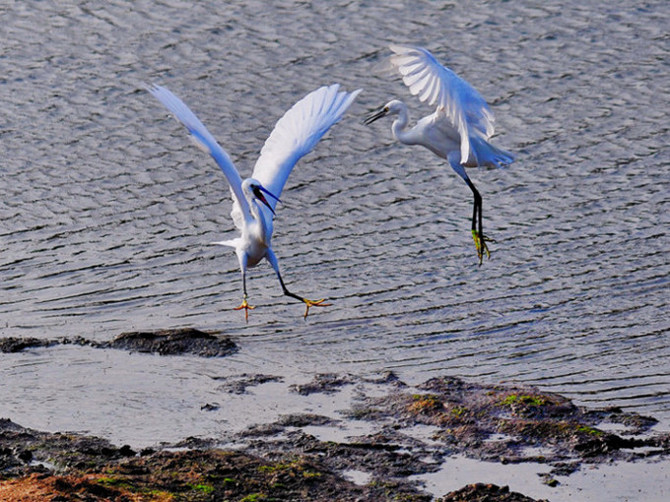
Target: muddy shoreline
412,430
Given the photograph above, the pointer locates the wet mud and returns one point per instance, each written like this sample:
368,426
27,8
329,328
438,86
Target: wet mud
36,466
162,342
282,460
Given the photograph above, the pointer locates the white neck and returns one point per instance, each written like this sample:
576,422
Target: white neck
398,128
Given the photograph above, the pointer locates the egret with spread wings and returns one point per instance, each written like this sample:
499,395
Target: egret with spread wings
457,131
294,135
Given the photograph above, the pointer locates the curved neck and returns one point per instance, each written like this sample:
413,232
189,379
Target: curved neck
257,215
399,125
254,209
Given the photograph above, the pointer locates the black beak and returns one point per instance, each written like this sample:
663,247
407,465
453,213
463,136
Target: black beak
258,192
376,115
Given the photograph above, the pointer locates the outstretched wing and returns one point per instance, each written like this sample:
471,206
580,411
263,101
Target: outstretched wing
456,98
203,139
296,133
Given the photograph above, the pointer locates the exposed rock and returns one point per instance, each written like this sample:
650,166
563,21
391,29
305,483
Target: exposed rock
174,341
240,384
322,383
281,461
12,344
480,492
163,342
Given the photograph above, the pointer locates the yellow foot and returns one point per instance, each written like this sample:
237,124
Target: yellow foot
246,308
480,244
314,303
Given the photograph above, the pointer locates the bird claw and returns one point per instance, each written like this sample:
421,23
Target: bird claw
480,244
314,303
246,308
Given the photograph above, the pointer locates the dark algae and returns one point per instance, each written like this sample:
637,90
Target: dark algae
281,461
163,342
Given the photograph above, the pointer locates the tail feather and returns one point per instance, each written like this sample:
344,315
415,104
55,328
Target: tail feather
231,243
489,155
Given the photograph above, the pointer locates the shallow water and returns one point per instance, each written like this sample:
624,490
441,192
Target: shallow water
107,209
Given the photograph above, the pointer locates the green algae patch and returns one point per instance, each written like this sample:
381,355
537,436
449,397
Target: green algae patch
589,430
425,403
202,488
526,400
295,467
411,431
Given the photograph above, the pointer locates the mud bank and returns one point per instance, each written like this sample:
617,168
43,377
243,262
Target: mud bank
38,466
163,342
412,431
383,444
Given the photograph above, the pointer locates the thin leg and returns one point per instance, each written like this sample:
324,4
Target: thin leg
477,225
244,305
308,303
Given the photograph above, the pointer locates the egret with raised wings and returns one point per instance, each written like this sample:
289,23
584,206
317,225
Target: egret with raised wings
294,135
457,131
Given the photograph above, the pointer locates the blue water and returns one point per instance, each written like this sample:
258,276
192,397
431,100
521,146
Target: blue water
107,210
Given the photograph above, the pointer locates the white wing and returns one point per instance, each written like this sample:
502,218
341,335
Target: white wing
204,140
456,98
296,133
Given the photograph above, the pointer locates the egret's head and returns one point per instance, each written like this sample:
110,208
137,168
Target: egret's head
256,190
393,107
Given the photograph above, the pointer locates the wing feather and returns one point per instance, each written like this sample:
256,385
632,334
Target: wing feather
436,84
206,141
297,132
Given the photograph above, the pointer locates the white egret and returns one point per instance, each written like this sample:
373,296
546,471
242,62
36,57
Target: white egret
294,135
457,131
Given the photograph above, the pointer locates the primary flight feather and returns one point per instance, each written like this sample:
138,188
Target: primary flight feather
294,135
459,128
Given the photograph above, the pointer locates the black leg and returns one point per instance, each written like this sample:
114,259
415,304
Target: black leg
244,304
285,289
477,222
308,303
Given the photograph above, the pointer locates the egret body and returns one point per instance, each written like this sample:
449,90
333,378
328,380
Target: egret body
457,131
294,135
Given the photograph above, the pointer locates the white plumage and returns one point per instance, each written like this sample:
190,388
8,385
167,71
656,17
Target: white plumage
459,128
294,135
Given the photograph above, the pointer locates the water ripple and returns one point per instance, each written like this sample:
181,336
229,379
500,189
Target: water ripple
107,210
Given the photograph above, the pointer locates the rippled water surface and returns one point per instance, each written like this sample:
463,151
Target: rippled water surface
107,210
